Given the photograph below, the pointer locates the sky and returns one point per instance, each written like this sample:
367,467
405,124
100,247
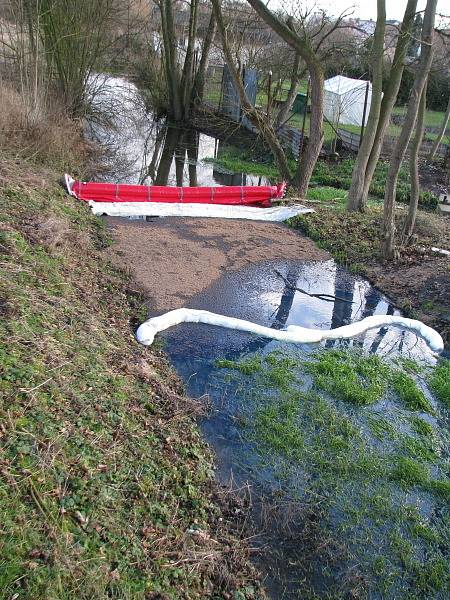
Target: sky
367,9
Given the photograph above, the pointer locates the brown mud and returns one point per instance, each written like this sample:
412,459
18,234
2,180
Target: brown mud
173,259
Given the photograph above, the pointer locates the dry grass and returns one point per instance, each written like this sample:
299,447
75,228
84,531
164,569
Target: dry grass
43,135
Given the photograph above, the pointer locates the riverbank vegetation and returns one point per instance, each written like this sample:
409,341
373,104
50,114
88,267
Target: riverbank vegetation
106,486
362,465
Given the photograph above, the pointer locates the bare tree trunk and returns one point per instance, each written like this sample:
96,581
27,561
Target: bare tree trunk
311,150
426,56
292,94
359,171
255,117
390,94
441,133
187,78
414,167
199,83
170,59
303,46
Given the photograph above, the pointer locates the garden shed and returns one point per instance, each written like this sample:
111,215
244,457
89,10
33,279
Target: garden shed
344,100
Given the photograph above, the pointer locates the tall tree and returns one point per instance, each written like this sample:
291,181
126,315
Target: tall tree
303,46
391,88
359,172
185,78
423,69
414,166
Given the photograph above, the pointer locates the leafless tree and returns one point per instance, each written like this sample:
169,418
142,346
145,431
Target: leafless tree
423,69
358,199
301,42
359,171
183,73
414,166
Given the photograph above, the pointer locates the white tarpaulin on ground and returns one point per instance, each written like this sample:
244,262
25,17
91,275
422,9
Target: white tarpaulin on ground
175,209
344,100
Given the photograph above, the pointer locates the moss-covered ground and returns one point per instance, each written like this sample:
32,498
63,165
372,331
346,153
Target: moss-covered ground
358,447
105,484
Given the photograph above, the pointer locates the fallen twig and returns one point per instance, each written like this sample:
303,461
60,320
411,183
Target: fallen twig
325,297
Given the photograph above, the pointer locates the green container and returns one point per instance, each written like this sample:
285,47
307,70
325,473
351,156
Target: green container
299,105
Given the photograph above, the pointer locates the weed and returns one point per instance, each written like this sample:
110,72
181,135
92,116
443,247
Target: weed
316,449
440,382
409,472
441,488
350,376
422,427
245,366
409,393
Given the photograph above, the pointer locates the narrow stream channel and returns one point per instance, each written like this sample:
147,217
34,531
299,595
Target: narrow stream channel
296,554
342,447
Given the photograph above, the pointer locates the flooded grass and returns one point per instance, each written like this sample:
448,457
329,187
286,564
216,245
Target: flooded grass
357,441
440,382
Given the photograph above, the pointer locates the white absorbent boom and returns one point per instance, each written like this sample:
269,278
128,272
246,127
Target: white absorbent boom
297,335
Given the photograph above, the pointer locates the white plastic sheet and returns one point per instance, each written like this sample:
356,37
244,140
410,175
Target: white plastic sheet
299,335
175,209
344,100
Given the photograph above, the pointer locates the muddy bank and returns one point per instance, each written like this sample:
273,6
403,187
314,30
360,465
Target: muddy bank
173,259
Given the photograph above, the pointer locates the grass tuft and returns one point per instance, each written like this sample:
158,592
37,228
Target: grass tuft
409,472
409,393
350,376
440,382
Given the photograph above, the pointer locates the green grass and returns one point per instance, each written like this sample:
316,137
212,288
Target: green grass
344,466
409,472
327,175
326,194
410,394
440,382
103,471
350,376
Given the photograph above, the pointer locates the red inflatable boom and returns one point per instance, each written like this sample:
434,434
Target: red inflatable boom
110,192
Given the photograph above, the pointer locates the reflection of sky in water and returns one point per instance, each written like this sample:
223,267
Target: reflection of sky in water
258,294
131,135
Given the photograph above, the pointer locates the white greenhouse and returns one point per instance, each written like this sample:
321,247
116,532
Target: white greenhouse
344,100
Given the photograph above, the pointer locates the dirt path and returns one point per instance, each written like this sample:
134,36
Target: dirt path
172,259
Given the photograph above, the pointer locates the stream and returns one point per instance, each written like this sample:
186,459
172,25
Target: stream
298,556
340,449
140,149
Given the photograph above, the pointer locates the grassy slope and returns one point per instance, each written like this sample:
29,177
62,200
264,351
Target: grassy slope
105,488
